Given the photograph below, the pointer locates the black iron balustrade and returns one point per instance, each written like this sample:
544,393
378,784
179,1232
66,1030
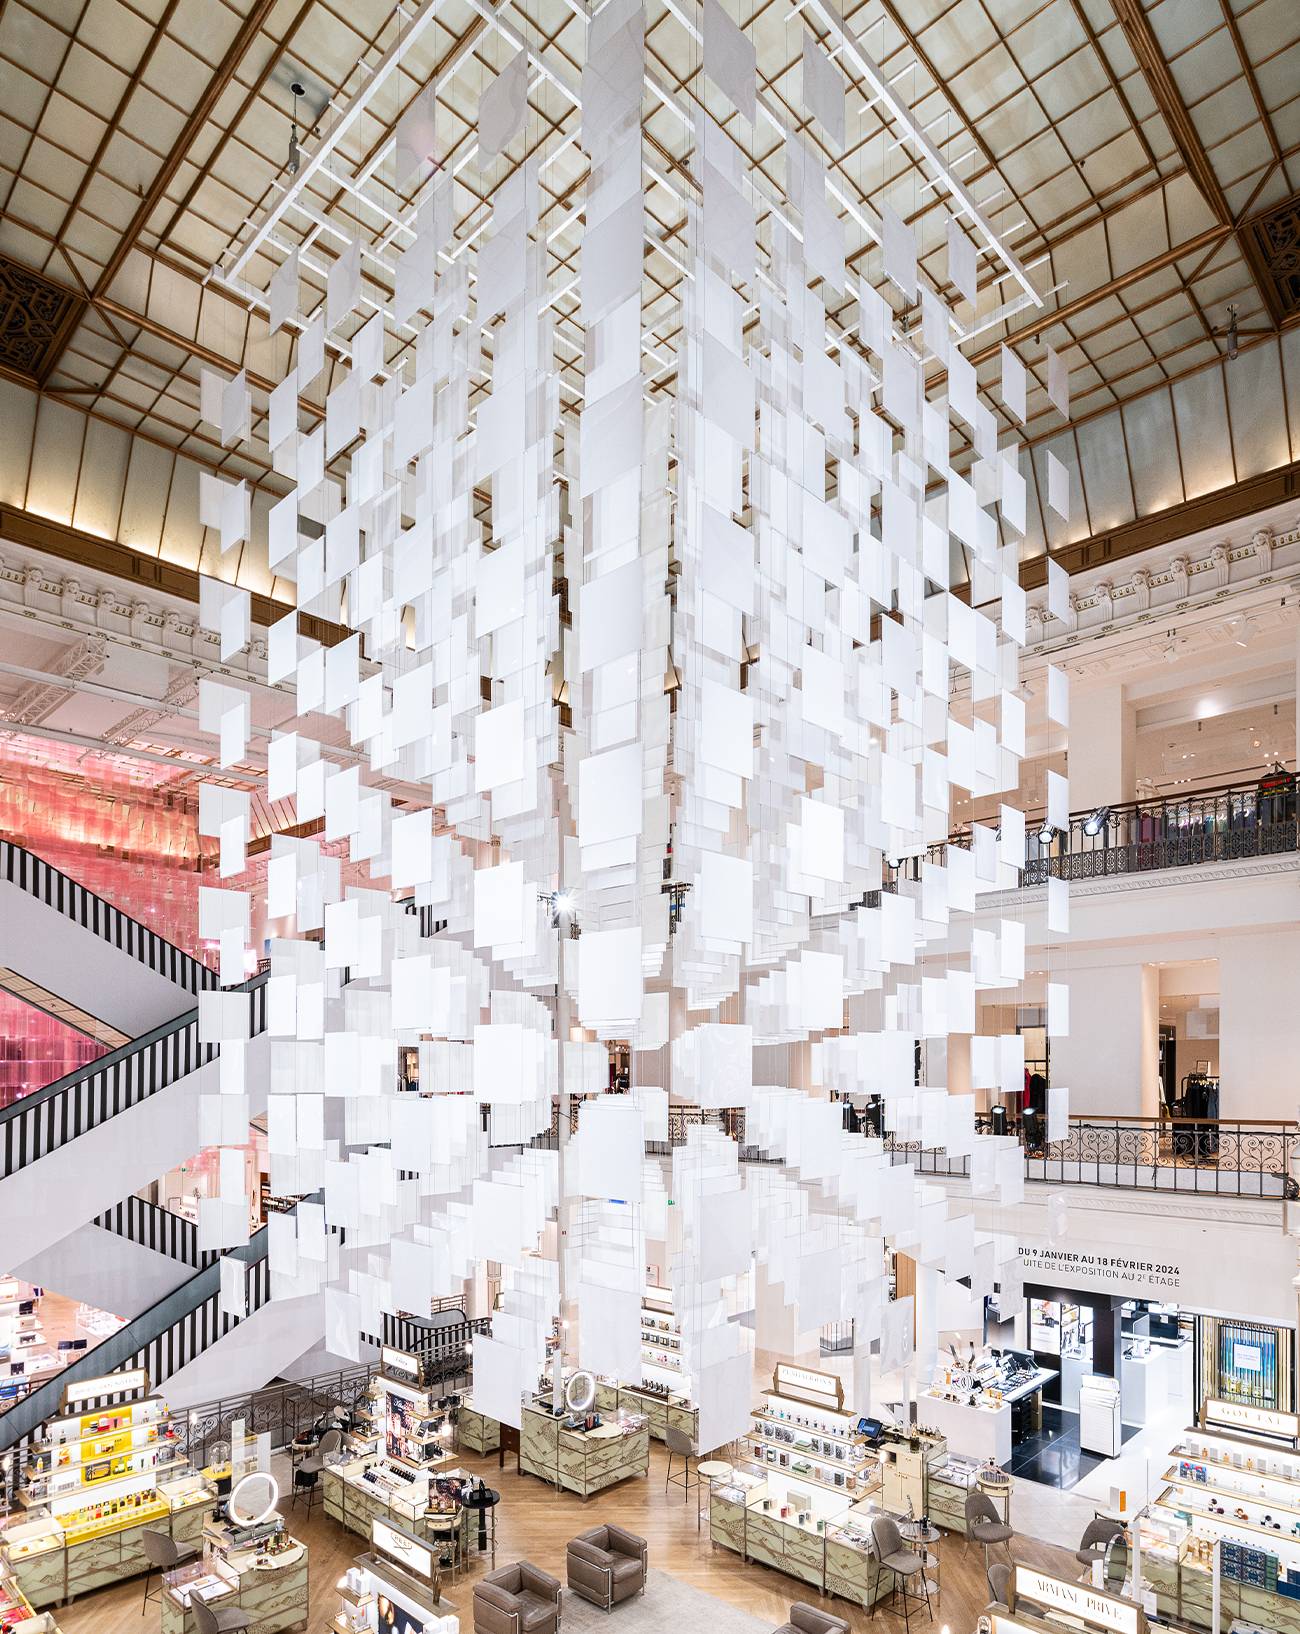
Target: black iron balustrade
1223,824
1224,1157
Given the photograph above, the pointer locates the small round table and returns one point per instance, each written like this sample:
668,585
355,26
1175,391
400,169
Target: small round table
711,1470
485,1500
925,1538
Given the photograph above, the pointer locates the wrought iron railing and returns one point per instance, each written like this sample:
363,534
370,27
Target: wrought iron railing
1230,1157
1227,1157
1224,824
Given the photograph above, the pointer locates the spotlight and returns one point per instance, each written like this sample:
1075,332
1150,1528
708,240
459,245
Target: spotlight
563,902
1092,826
1233,343
291,163
1046,834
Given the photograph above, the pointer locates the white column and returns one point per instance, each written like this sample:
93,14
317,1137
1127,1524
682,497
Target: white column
1103,739
1109,1061
1259,1024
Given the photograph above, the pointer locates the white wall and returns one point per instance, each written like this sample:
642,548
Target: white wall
1221,1266
1259,1025
252,1354
107,1271
59,955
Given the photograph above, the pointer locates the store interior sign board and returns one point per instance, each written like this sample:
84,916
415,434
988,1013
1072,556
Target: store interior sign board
1077,1601
110,1384
1240,1415
1108,1270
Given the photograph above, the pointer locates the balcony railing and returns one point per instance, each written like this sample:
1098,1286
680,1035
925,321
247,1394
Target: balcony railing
1223,1157
1224,824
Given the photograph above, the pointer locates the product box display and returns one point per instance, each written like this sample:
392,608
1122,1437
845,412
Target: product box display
93,1483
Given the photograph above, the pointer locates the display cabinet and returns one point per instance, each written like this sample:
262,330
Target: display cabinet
475,1431
802,1428
580,1460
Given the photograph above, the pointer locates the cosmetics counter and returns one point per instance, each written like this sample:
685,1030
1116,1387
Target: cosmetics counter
249,1563
15,1607
373,1488
396,1585
1244,1494
475,1431
91,1487
987,1405
811,1533
820,1473
582,1455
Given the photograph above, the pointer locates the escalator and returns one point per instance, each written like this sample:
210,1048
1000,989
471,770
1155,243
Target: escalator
182,1329
125,1259
75,955
71,1151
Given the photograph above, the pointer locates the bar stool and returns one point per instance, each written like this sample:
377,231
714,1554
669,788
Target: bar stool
163,1555
681,1446
330,1443
305,1481
211,1620
894,1556
1096,1540
984,1526
447,1532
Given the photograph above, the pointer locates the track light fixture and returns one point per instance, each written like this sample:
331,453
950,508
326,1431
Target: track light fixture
1093,825
291,164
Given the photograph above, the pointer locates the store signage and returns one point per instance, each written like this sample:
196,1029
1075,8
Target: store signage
1240,1415
1079,1600
131,1382
1109,1272
806,1384
400,1364
409,1552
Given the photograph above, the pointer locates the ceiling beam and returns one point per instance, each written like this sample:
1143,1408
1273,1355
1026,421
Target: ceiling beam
249,30
1160,82
1219,509
1136,23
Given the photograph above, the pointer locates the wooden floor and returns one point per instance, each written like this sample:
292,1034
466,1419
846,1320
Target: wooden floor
535,1521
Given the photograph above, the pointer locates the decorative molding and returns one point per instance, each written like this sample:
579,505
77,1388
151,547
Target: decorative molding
153,575
1271,241
1090,1199
36,318
1287,862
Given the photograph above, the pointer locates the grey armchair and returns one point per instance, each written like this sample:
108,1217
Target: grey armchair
607,1565
517,1599
806,1619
